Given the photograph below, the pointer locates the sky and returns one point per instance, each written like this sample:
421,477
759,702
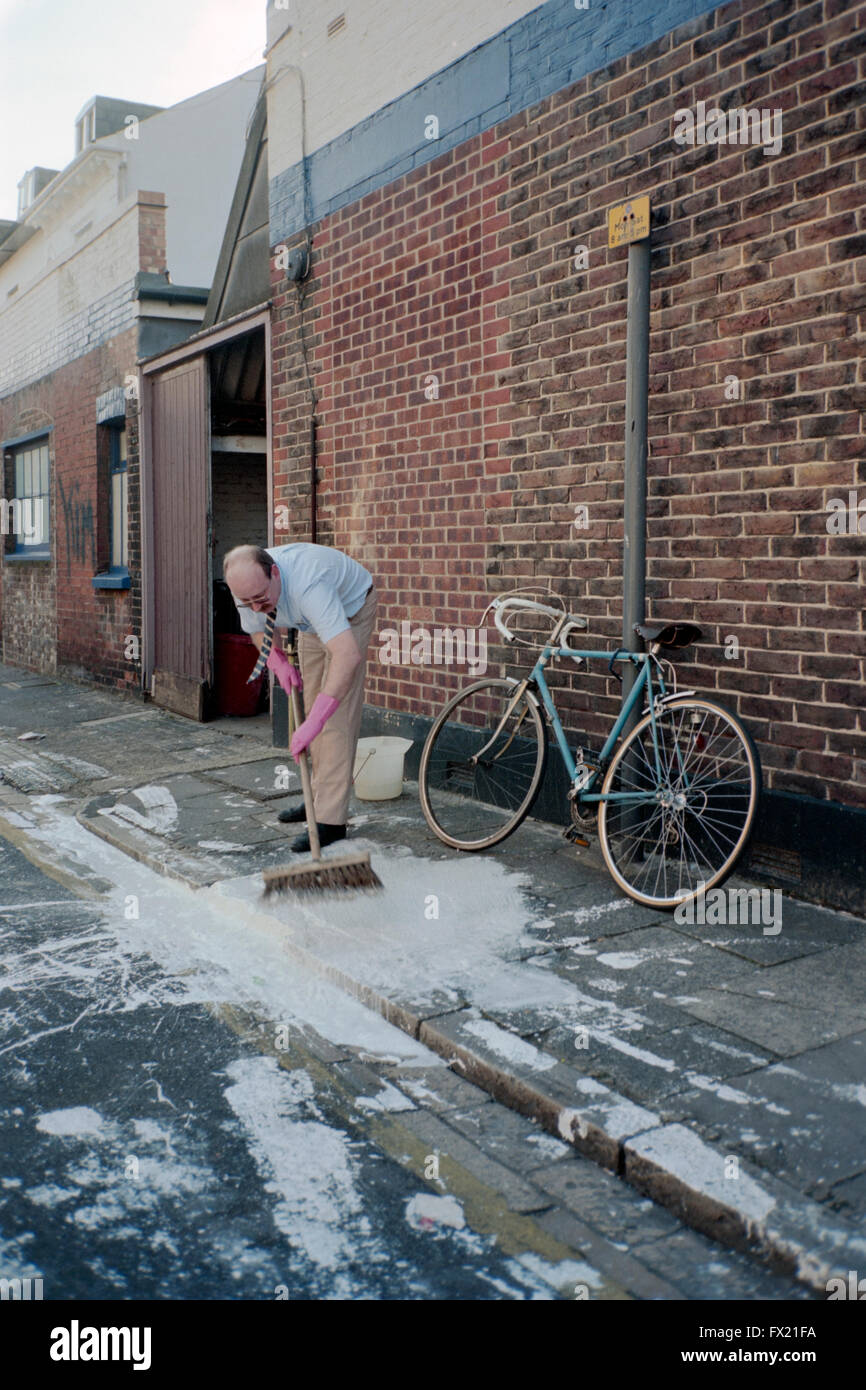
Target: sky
55,57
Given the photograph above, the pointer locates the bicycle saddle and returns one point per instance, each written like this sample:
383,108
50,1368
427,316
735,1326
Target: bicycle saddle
673,635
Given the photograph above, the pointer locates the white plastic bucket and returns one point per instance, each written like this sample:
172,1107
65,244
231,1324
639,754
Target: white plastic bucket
379,767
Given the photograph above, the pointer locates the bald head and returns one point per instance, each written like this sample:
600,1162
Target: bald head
247,555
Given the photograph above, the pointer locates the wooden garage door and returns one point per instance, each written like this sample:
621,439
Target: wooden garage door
181,512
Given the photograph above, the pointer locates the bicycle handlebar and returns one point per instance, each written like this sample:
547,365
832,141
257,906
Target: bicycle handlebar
502,605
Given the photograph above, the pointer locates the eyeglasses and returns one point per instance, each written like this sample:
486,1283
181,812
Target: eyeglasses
260,598
264,597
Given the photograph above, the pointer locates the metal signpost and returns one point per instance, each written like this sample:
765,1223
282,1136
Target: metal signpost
629,224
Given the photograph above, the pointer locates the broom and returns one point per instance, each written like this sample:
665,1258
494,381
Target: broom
346,872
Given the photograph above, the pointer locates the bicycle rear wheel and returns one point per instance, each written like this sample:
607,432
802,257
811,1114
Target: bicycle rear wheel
691,810
482,764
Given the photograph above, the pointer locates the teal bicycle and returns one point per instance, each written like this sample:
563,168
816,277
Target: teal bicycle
674,789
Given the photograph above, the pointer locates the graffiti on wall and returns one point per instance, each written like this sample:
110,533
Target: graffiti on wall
78,526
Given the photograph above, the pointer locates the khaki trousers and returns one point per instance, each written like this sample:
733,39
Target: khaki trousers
333,752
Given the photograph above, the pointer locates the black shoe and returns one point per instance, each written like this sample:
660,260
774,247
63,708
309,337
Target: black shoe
327,835
294,814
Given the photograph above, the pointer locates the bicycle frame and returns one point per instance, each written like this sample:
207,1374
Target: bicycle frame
583,779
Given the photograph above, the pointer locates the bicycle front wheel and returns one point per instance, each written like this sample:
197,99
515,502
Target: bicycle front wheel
482,764
682,809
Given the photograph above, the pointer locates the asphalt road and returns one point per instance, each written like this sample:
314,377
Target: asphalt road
169,1133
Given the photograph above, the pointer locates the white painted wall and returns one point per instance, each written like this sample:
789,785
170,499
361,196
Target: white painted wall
70,293
386,48
74,276
192,153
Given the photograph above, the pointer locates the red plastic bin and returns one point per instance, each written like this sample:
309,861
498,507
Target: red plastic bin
236,656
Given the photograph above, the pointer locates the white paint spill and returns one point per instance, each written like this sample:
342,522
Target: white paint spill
79,1119
389,943
305,1163
48,1195
508,1045
723,1092
597,910
420,1091
161,810
389,1098
564,1275
191,935
698,1166
639,1053
622,960
610,1112
590,1087
13,1258
425,1212
606,986
751,1057
548,1146
570,1120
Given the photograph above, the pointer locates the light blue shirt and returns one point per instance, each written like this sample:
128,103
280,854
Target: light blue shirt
321,589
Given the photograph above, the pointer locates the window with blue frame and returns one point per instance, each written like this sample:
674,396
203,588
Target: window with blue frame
119,495
26,513
117,574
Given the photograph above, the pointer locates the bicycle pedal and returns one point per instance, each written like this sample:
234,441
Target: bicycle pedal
571,834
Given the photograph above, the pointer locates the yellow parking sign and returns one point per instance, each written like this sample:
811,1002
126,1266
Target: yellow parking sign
629,221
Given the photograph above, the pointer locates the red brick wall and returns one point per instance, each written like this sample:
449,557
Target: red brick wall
464,268
52,617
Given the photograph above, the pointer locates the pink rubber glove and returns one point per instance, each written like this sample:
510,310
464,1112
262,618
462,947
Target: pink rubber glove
287,674
323,707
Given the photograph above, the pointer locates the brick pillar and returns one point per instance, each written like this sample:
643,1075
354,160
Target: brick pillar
151,232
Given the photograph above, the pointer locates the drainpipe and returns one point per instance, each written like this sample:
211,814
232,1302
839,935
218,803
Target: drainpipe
313,458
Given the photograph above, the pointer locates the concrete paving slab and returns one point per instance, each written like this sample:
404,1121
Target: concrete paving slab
438,1088
781,1026
60,706
650,1067
806,929
13,679
781,1116
837,985
447,1143
605,1202
585,911
268,778
516,1141
371,1093
683,1249
655,959
848,1198
187,785
630,1273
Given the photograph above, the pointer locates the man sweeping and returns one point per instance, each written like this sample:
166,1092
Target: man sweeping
331,600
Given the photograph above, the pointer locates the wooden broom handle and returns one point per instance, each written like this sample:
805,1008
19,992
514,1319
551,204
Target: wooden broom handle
306,784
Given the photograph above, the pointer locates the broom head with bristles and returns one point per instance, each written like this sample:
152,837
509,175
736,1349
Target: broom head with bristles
348,872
